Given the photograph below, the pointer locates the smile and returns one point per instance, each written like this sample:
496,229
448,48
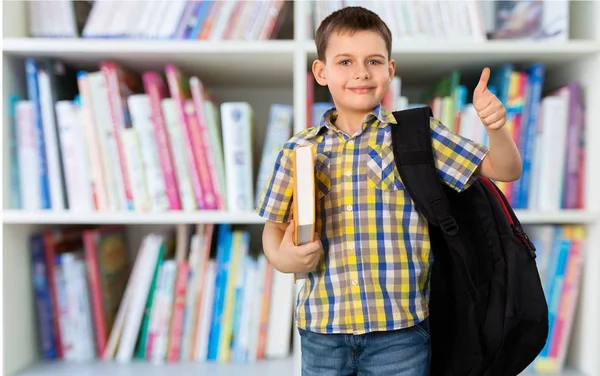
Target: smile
361,90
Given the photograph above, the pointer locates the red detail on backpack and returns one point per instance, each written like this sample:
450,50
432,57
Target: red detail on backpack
495,192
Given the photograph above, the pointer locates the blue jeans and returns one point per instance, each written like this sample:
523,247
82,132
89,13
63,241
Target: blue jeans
404,352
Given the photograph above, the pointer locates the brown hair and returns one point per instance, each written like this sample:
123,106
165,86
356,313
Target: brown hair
351,19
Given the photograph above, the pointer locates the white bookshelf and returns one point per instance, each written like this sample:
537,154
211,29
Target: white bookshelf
14,217
275,72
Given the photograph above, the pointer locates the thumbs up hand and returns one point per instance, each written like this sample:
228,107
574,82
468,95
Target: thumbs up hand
489,108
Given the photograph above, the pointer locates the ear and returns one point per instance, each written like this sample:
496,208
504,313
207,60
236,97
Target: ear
392,68
318,69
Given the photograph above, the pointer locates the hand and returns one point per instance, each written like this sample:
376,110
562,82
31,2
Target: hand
297,259
489,108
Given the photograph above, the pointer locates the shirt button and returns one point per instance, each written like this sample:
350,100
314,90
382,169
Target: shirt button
349,173
351,245
350,142
349,208
354,282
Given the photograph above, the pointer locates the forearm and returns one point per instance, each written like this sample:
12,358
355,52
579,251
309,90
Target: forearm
272,236
504,155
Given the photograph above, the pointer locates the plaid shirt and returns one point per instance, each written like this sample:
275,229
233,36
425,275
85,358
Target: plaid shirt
375,272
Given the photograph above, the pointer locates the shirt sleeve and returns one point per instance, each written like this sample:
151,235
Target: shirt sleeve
456,157
276,197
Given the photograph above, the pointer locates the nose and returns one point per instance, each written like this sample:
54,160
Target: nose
362,75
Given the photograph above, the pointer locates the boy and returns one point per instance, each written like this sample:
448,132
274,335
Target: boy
364,306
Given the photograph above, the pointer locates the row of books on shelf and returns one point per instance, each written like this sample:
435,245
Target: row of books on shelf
560,257
547,127
163,19
110,140
466,21
196,293
249,20
201,294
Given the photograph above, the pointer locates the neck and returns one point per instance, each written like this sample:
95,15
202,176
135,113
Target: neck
350,122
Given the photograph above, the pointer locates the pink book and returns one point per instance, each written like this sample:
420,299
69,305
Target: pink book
180,93
234,21
176,332
200,152
568,298
208,152
155,89
120,85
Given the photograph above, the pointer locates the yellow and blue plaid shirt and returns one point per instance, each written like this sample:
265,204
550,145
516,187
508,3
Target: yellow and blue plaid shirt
375,272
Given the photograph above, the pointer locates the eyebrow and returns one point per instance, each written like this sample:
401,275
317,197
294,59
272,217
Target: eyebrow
350,55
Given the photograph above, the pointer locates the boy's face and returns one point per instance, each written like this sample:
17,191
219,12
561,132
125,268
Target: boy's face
357,70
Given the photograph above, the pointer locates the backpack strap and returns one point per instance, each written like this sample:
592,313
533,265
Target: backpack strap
414,159
413,155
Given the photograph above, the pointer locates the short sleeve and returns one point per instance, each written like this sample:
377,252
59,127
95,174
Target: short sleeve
456,157
276,198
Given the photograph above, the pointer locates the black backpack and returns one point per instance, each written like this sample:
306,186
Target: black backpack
488,313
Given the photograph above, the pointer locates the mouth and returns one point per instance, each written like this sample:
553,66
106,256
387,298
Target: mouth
361,89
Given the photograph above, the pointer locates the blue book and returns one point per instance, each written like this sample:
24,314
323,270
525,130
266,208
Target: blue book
31,70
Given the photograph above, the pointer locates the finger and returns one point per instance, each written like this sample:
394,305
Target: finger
488,110
289,231
310,248
494,118
497,125
483,80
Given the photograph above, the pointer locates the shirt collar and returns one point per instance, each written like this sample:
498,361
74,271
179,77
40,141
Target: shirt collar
379,114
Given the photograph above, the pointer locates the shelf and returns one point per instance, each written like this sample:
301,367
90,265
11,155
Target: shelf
418,62
260,368
66,217
558,217
218,62
54,217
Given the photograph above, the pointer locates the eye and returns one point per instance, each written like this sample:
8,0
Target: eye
345,62
375,62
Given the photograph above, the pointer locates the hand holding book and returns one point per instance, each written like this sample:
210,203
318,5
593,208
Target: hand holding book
297,259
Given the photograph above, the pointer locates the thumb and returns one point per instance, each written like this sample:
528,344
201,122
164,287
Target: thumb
483,80
289,231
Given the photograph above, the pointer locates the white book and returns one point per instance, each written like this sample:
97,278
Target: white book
79,312
166,299
191,296
87,347
107,141
157,19
29,158
206,311
222,20
137,304
549,162
237,122
141,117
280,315
155,312
171,19
249,301
67,332
119,322
279,130
75,158
135,169
258,293
55,178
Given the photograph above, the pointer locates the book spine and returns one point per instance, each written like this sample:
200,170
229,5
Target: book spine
117,112
155,90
